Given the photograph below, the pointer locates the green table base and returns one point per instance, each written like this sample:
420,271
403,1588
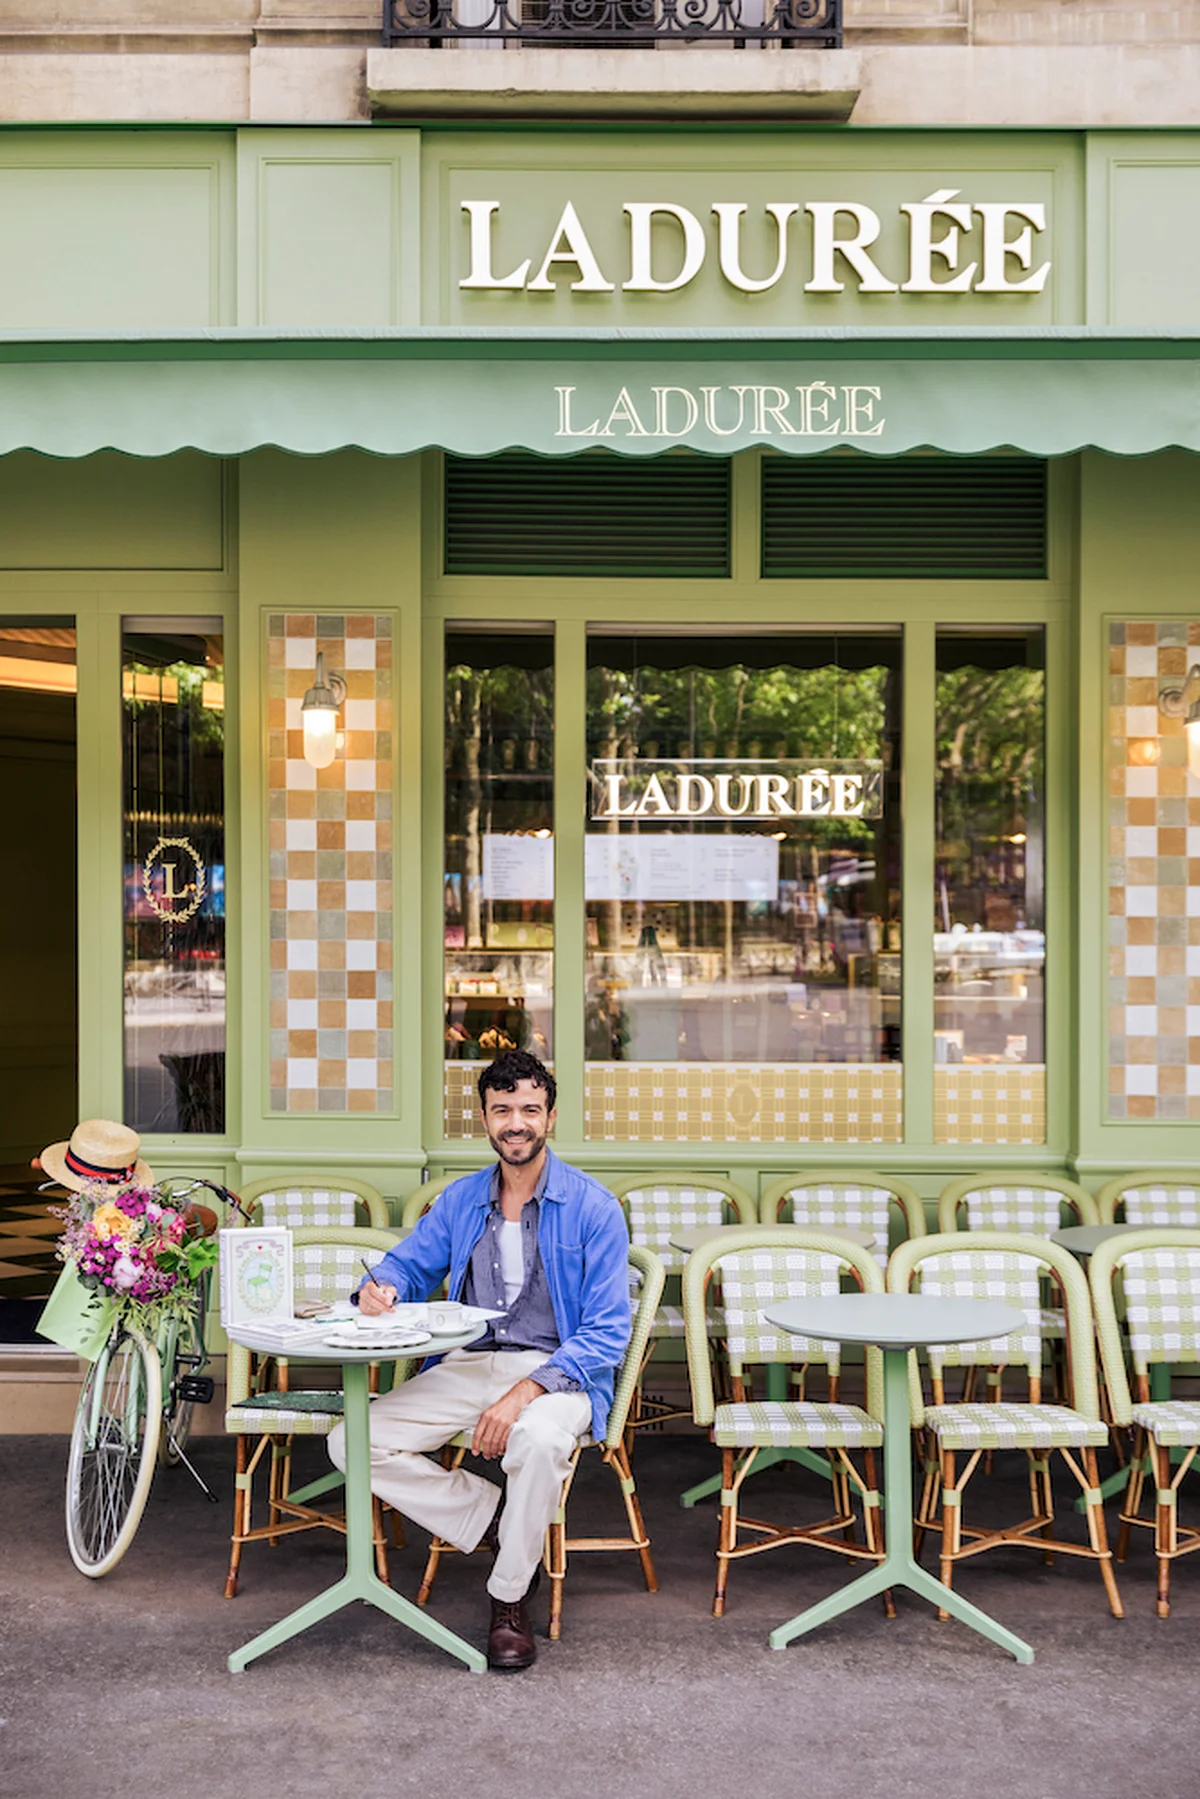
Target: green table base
360,1580
900,1568
777,1388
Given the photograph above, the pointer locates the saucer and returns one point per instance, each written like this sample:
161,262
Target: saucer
352,1337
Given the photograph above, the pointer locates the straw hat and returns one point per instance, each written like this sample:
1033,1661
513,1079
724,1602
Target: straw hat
98,1150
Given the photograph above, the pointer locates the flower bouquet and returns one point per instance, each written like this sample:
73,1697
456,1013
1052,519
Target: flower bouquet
134,1252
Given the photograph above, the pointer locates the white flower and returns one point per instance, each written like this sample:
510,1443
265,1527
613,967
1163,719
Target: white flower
125,1273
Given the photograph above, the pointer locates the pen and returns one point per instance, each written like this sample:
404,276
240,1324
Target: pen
370,1276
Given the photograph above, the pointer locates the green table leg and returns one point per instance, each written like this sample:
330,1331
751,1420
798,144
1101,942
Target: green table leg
777,1388
326,1483
360,1580
900,1568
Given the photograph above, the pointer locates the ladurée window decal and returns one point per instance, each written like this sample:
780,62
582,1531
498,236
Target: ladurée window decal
174,890
637,788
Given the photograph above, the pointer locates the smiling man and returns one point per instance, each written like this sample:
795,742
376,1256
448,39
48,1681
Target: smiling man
545,1247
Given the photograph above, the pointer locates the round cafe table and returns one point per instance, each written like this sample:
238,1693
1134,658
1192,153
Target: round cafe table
1084,1240
360,1580
896,1323
692,1237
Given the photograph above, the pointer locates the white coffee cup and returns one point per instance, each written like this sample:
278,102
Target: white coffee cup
445,1315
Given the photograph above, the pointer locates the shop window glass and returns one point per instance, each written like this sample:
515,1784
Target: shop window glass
743,858
989,927
173,708
499,860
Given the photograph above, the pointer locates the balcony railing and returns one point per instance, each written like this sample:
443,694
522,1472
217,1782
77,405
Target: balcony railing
614,24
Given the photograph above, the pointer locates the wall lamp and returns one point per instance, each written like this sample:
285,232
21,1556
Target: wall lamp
1184,702
319,716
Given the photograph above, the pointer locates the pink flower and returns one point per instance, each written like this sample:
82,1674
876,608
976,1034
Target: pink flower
126,1273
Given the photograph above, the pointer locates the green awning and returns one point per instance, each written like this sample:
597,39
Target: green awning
391,393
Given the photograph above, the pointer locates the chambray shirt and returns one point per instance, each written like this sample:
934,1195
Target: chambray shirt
529,1322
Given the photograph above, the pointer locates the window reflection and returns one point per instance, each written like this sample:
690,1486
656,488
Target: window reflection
499,862
173,705
743,938
989,931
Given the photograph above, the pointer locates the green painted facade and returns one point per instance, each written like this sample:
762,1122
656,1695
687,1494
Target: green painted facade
352,230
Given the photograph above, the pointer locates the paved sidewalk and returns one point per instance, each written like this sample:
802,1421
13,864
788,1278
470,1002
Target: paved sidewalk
117,1688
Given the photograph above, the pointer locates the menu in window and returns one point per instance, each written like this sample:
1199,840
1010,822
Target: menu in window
668,866
517,867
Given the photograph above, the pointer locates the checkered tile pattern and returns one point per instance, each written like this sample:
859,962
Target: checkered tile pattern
1171,1205
1013,1280
860,1208
295,1206
1028,1210
294,1415
331,871
796,1424
1002,1426
737,1102
752,1279
1170,1421
989,1104
329,1270
1154,879
1162,1305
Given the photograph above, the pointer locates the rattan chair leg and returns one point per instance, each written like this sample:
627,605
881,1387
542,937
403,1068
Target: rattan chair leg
727,1531
554,1560
951,1523
1131,1510
275,1486
240,1518
633,1511
1164,1526
432,1563
1098,1533
381,1554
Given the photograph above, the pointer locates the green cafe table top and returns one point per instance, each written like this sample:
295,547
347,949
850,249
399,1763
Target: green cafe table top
894,1320
695,1237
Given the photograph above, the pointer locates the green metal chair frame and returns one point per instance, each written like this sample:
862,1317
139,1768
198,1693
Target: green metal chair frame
650,1274
786,1263
279,1414
1010,1266
736,1206
860,1199
1161,1202
347,1187
1159,1270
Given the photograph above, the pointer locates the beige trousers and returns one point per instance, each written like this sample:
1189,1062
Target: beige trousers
424,1413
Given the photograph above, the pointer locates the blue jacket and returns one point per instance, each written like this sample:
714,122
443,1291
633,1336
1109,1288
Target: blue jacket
584,1245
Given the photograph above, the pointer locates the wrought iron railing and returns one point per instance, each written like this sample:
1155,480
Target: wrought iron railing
615,24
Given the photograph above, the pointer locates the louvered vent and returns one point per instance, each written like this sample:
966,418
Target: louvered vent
596,514
933,517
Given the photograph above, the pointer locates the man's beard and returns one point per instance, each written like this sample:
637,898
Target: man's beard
518,1155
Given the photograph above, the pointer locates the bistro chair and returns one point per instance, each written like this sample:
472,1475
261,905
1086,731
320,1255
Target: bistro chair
756,1268
1159,1271
1151,1198
326,1266
648,1275
422,1197
863,1201
1007,1266
305,1199
655,1207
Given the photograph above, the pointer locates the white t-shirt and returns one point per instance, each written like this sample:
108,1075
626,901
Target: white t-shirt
512,1258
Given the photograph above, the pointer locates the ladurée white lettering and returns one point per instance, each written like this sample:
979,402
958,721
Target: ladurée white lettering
954,247
815,409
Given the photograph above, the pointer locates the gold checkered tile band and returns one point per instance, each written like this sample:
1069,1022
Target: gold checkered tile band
713,1102
1154,872
331,871
988,1104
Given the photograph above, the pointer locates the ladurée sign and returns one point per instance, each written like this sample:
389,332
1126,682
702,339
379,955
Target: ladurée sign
952,245
761,409
638,788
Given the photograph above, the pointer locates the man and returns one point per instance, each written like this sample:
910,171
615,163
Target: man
547,1247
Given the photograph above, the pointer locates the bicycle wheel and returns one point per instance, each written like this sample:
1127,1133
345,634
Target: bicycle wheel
113,1449
180,1353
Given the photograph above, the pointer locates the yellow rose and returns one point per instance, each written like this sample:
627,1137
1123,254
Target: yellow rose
110,1221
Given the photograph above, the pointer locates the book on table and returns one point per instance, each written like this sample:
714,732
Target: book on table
256,1277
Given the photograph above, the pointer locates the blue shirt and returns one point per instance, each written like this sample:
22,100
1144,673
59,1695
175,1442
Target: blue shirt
583,1243
529,1322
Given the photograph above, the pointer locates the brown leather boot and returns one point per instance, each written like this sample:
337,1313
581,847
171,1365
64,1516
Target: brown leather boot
510,1639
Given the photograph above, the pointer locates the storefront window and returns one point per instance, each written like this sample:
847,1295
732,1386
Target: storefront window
173,688
499,861
743,853
989,929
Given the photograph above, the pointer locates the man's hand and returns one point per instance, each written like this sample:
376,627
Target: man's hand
491,1433
374,1300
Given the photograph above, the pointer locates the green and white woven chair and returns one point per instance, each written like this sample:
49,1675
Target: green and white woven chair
1159,1270
756,1267
325,1267
305,1199
649,1276
1010,1267
422,1197
862,1201
655,1207
1152,1199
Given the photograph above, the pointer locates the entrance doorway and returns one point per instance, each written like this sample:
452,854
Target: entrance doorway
38,918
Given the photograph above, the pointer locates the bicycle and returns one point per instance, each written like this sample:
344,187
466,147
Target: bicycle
135,1414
